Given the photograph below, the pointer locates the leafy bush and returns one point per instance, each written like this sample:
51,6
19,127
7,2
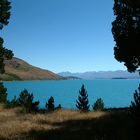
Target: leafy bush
98,105
50,104
26,101
82,102
3,94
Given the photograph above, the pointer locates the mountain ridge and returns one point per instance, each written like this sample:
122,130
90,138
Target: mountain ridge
18,69
89,75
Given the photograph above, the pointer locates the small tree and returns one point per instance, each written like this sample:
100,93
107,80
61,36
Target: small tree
26,101
58,107
82,102
3,94
98,105
50,104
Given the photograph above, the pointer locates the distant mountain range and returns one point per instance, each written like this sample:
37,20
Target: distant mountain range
119,74
17,69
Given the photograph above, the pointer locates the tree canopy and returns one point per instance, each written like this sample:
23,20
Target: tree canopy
4,20
4,12
126,33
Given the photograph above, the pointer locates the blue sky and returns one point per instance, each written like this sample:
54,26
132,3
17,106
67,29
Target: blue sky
63,35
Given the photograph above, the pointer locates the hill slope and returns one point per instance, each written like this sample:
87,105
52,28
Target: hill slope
17,69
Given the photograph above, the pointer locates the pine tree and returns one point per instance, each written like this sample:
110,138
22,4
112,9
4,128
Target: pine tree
82,102
3,94
126,33
5,6
4,17
98,105
26,101
50,104
58,107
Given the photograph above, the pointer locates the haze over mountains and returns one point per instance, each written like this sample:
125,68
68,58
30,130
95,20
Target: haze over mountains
17,69
119,74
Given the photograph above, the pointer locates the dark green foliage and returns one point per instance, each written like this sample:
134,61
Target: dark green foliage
4,17
3,94
50,104
13,103
135,105
98,105
4,12
126,33
82,102
135,111
26,101
4,54
1,56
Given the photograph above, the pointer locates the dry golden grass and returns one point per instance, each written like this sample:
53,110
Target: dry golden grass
13,124
66,124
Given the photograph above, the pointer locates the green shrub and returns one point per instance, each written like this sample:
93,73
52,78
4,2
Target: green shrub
98,105
23,110
82,102
26,101
3,93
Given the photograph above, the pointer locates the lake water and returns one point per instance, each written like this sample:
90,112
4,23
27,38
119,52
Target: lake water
115,93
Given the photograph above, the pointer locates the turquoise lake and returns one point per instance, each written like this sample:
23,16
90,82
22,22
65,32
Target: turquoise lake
115,93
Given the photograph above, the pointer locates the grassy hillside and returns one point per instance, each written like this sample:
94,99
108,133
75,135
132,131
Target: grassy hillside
66,125
17,69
